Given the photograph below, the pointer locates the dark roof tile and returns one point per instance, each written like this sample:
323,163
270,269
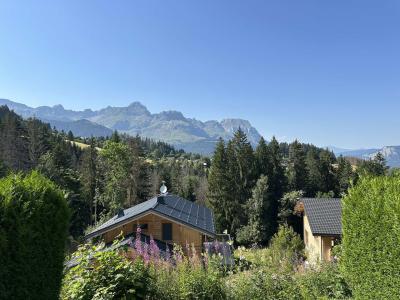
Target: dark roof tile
172,206
324,215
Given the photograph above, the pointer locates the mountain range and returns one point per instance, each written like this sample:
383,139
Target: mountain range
390,153
172,127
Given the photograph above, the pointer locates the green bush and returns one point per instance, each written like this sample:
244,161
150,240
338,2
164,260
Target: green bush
105,275
371,237
286,248
324,282
33,232
263,283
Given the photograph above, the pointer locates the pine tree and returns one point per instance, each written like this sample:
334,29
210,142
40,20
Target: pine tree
139,184
297,172
345,175
327,160
261,226
13,146
241,170
314,178
262,157
276,178
88,176
218,187
39,140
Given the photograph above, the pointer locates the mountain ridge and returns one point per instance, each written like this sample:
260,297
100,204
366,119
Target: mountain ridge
390,153
169,126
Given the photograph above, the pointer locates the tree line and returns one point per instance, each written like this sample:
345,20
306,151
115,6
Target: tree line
98,175
251,190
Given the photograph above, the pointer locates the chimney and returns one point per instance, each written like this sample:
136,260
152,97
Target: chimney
120,213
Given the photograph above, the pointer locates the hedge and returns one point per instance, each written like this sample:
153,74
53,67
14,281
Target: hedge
33,232
371,237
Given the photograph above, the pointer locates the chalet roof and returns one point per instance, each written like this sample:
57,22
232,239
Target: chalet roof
169,206
324,215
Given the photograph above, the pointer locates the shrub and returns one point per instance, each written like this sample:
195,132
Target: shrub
324,282
188,278
33,232
102,274
370,257
263,283
287,249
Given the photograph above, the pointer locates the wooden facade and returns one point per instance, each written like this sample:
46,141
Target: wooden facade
152,225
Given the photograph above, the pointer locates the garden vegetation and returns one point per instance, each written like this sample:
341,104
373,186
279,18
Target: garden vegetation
33,231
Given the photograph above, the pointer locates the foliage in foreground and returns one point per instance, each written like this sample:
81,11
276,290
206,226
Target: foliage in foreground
105,275
142,273
273,273
371,238
323,282
33,232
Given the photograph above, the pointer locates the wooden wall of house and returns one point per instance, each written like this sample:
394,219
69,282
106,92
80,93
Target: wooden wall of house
180,234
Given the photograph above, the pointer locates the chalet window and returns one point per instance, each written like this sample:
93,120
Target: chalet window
167,231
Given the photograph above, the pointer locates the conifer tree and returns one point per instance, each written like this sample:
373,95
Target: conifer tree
276,178
218,187
89,176
241,170
345,175
263,159
39,140
261,226
328,176
314,178
139,184
297,172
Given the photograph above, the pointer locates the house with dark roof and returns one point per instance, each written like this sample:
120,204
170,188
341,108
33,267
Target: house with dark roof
168,218
322,226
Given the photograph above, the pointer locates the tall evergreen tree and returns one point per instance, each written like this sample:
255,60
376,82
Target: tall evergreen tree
314,178
241,170
263,159
345,175
13,146
39,140
297,172
89,176
139,184
277,179
261,226
218,187
328,176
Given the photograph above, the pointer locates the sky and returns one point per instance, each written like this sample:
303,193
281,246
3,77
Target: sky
325,72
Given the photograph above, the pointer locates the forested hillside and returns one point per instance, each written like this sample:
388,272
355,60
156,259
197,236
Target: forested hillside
103,176
250,190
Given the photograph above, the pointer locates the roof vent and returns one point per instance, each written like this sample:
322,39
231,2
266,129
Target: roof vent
120,213
163,188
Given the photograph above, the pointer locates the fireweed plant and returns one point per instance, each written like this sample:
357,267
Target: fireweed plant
142,271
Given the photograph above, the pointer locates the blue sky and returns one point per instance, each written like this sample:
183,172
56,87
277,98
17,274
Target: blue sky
326,72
